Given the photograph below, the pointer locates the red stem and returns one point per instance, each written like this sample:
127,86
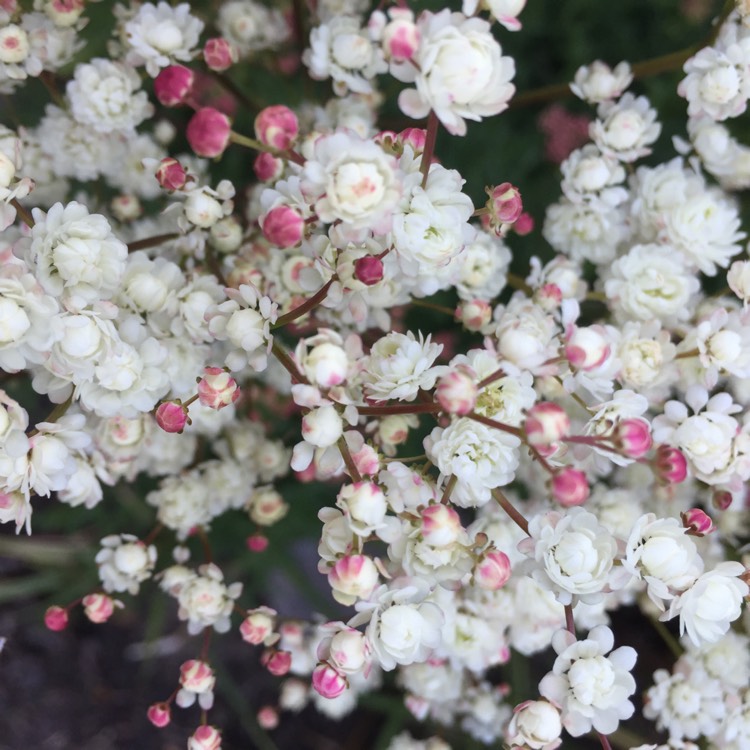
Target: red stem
514,514
306,306
429,146
569,621
383,411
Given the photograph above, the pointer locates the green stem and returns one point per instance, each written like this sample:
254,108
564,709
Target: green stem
671,642
243,140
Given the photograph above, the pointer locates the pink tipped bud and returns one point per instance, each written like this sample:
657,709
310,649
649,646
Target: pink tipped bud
257,543
208,132
722,499
174,85
219,54
492,571
524,225
587,348
474,315
276,127
368,270
278,663
159,714
353,577
56,618
327,681
258,626
456,392
670,465
205,737
98,607
546,423
267,167
504,206
697,522
400,39
172,416
570,487
171,174
414,137
217,388
634,437
283,227
441,525
548,297
268,718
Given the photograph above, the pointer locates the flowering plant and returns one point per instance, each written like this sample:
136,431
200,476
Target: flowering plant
507,427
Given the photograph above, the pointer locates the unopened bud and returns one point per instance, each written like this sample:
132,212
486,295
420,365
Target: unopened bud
219,54
570,487
258,626
283,227
441,525
327,681
670,465
267,167
474,315
205,737
159,714
493,570
171,174
173,85
401,39
98,607
634,437
276,127
217,388
456,392
546,423
722,499
504,206
268,718
278,663
56,618
587,348
172,416
208,132
368,270
257,543
524,225
697,522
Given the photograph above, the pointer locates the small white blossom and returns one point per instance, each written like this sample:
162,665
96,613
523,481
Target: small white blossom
206,601
125,562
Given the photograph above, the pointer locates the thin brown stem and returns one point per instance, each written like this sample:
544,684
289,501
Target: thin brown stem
515,515
351,467
205,544
449,488
605,742
157,239
386,410
306,306
429,146
516,282
497,425
287,363
25,215
433,306
570,623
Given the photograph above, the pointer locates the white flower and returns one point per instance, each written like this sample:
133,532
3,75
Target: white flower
479,457
712,603
460,71
484,263
644,350
125,562
75,255
625,129
251,26
206,601
598,82
536,725
592,689
364,507
82,487
735,728
399,366
160,34
574,554
590,175
505,11
104,95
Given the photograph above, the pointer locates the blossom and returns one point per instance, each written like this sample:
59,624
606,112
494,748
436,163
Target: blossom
591,688
625,129
206,601
536,725
124,563
251,26
598,82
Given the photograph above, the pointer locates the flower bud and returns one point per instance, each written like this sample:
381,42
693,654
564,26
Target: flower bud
219,54
126,207
524,224
172,416
14,44
202,209
670,465
586,348
364,504
348,651
634,437
697,522
368,270
226,235
208,132
441,525
570,487
322,427
56,618
268,718
722,499
353,577
474,315
456,391
283,227
546,423
217,388
535,724
327,681
276,127
278,663
174,85
61,12
267,506
548,297
98,607
205,738
257,543
258,626
159,714
326,365
268,167
414,137
493,570
504,206
400,39
738,278
171,174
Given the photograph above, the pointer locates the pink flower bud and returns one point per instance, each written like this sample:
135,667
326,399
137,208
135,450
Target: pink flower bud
524,225
268,718
197,676
98,607
670,465
697,522
219,54
205,737
441,525
546,423
208,132
174,85
327,681
587,348
278,663
414,137
492,571
267,167
258,626
217,388
276,127
283,227
456,392
172,416
171,174
722,499
368,270
56,618
159,714
634,437
504,206
570,487
400,39
257,543
474,315
548,297
353,577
